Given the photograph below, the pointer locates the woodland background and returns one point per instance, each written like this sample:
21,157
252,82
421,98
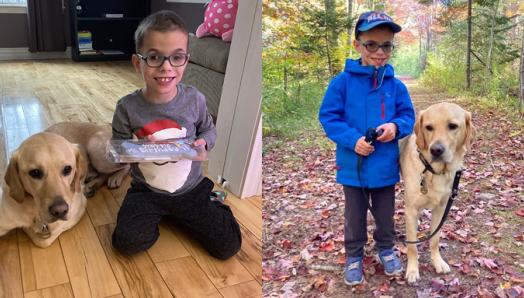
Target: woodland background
306,42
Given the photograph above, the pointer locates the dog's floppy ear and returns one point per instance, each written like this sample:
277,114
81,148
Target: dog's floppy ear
421,140
12,179
81,170
470,131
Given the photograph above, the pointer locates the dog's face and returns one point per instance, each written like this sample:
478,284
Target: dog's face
48,170
444,131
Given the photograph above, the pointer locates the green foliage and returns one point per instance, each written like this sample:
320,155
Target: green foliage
292,112
444,75
494,72
405,60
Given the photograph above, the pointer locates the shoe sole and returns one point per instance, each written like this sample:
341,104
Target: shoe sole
396,272
354,283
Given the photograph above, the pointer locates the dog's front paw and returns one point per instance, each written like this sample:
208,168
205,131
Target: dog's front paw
440,265
89,192
412,275
115,180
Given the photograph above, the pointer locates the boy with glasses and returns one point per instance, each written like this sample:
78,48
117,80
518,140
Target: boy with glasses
367,95
164,109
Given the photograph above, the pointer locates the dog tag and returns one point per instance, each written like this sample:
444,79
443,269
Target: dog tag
423,187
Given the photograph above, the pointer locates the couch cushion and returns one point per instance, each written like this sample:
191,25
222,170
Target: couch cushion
207,81
209,52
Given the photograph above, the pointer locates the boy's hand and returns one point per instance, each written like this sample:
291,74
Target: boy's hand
390,131
199,142
363,148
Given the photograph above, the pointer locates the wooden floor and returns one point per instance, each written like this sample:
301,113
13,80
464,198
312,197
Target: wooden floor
82,262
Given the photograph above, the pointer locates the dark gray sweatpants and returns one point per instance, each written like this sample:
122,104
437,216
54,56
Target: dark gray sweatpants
356,210
211,223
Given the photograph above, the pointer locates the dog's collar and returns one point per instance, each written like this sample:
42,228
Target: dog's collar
427,165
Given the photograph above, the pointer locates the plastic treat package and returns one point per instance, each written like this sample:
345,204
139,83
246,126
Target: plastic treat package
129,151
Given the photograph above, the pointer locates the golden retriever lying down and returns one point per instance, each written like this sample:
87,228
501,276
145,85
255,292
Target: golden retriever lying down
443,134
43,188
93,139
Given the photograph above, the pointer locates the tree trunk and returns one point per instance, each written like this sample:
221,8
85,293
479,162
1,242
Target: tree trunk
521,95
350,25
330,32
491,38
328,55
329,5
468,56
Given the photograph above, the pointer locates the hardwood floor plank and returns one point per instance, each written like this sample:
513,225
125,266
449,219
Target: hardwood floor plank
46,264
221,273
26,262
250,289
246,214
120,193
256,201
136,275
62,291
250,254
185,279
167,247
10,282
88,267
102,207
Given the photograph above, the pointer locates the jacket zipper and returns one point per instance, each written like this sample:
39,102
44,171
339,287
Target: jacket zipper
375,78
382,107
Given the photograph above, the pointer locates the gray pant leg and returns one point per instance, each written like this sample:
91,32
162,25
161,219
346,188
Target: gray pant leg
383,205
355,225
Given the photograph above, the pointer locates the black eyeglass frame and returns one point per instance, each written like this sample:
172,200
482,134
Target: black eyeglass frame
383,46
164,58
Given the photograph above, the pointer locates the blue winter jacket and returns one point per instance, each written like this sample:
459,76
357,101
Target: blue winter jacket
357,99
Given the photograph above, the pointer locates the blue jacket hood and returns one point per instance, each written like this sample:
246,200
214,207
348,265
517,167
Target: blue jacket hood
356,68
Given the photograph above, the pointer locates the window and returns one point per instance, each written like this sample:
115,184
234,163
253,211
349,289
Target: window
13,6
13,3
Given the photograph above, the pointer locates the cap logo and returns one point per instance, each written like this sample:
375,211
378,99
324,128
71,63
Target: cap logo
378,16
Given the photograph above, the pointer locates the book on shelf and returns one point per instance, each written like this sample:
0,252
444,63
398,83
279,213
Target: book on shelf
89,52
85,41
111,52
114,15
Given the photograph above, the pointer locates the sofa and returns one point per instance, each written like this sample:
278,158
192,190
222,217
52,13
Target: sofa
206,69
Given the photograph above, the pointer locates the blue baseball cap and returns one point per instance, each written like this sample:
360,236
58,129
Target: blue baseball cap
372,19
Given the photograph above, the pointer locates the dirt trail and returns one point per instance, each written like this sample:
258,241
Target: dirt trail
482,240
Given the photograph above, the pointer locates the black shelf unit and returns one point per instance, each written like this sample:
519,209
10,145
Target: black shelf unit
107,33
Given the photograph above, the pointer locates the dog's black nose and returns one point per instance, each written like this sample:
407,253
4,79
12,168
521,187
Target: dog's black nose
59,209
437,150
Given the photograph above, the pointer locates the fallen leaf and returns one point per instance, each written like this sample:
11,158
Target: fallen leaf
520,212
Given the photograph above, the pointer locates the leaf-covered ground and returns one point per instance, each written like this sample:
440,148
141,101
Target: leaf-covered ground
482,239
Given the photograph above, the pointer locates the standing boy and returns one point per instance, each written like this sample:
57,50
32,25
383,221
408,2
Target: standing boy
367,95
163,109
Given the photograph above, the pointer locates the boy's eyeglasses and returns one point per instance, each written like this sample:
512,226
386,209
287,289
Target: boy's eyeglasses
155,60
373,46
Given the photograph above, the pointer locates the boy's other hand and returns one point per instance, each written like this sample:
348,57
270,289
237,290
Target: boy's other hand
199,142
363,148
390,131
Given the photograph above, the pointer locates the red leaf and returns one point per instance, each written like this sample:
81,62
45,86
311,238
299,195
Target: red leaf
520,212
465,269
327,246
287,244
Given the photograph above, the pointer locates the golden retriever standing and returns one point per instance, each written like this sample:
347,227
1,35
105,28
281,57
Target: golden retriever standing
443,134
43,188
93,139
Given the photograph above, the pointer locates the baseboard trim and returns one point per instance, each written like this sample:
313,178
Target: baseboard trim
24,54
